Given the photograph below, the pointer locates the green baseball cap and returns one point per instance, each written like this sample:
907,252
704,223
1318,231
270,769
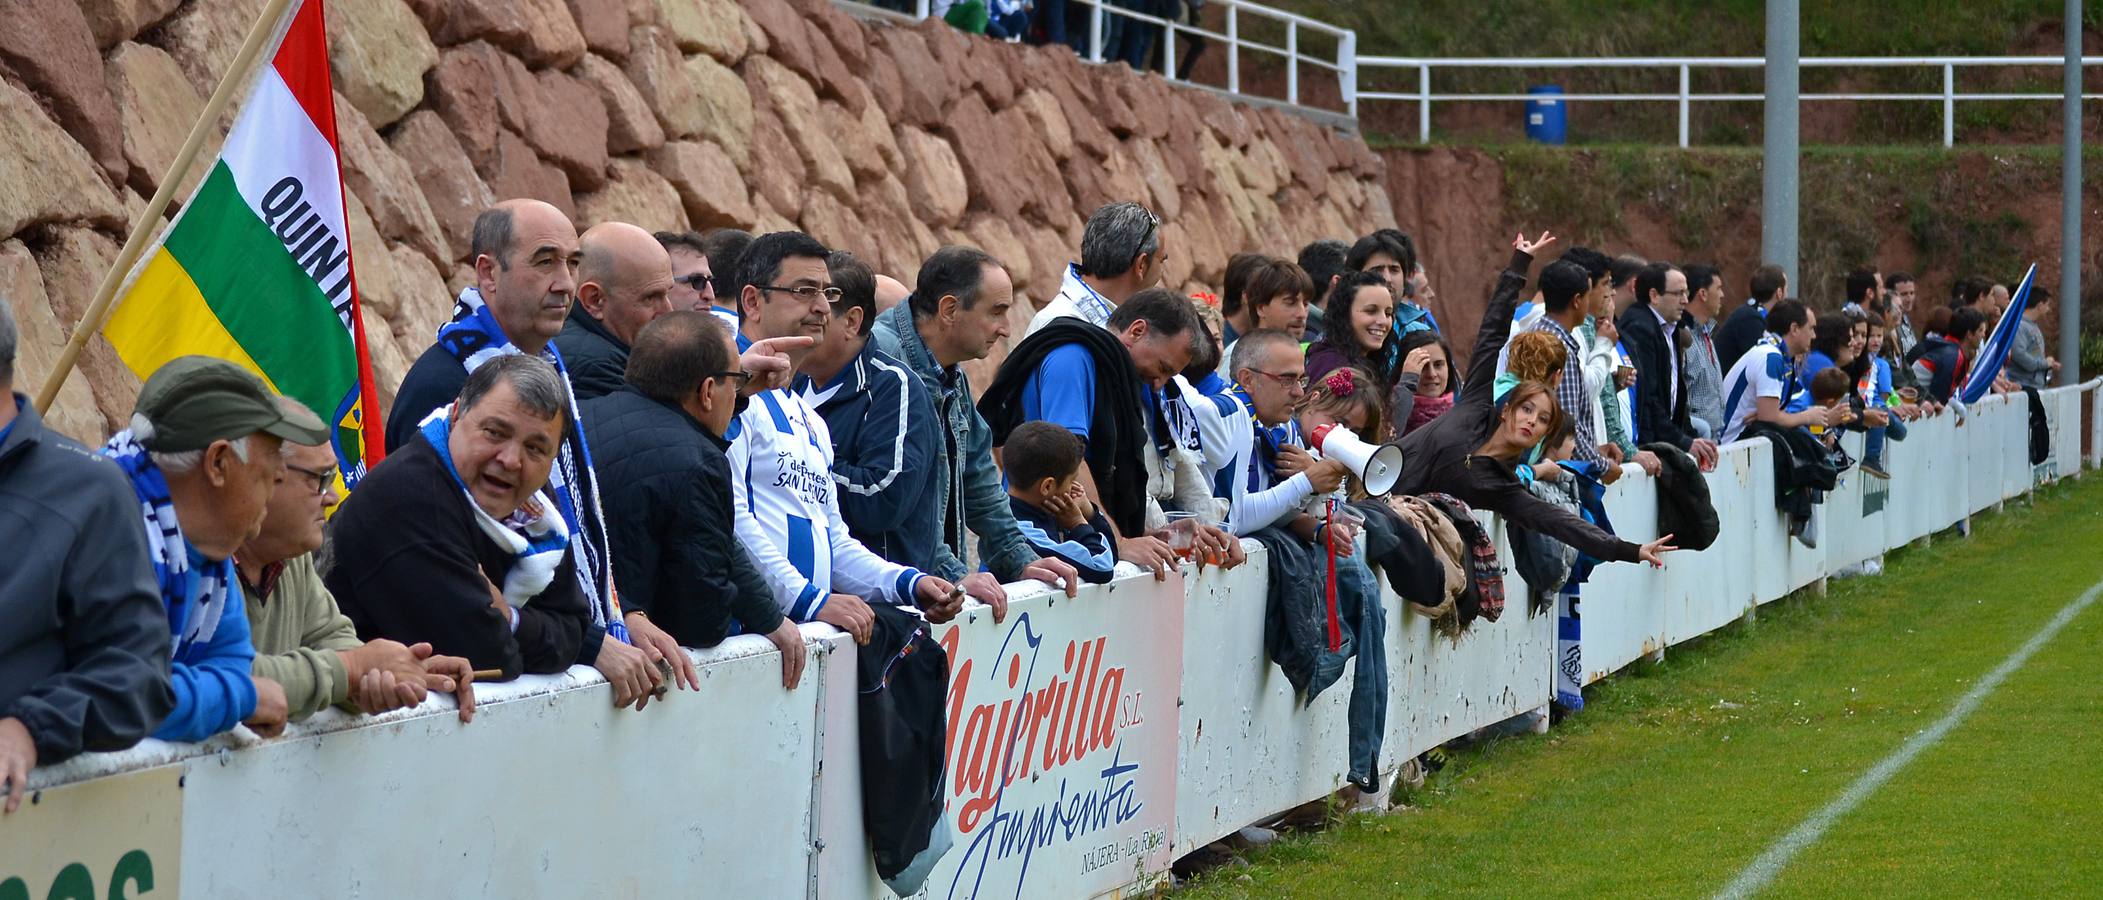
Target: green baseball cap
195,400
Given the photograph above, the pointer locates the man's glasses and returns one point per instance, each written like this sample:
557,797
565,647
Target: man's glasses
323,479
1286,379
808,292
697,281
743,378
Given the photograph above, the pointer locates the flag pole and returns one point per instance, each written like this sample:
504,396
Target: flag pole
236,75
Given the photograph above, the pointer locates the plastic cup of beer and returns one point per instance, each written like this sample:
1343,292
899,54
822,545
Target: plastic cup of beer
1183,534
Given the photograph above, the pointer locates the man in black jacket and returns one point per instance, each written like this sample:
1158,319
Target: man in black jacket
452,540
659,445
84,659
1650,331
1748,323
624,280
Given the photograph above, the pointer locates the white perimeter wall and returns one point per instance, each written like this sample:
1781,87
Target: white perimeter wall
551,792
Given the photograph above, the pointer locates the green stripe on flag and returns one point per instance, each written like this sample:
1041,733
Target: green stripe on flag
266,301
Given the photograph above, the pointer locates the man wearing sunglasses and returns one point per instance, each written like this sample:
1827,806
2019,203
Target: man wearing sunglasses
660,450
303,641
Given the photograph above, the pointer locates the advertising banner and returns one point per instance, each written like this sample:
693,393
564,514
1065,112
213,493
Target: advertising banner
1062,745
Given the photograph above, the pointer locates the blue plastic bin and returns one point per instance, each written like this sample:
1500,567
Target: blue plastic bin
1545,115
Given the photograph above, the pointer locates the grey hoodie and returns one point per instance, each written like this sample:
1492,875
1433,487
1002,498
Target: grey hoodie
84,659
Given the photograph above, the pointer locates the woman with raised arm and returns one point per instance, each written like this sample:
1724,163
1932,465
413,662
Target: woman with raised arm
1473,451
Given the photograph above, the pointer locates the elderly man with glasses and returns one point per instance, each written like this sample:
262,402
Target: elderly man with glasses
787,502
303,642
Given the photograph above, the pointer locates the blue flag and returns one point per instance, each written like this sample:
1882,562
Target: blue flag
1995,351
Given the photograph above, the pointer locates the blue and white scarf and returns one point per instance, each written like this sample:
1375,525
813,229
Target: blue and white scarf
473,337
188,623
534,535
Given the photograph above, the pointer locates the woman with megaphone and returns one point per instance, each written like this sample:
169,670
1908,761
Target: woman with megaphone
1473,451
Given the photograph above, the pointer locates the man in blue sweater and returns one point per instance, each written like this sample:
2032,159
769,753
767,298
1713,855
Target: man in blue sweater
203,457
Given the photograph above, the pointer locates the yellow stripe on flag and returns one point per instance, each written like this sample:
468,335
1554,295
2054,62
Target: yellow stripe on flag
164,316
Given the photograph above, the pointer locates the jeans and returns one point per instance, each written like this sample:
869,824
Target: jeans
1873,444
1367,715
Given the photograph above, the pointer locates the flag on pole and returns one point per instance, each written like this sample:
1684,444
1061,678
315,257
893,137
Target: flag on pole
1994,352
257,267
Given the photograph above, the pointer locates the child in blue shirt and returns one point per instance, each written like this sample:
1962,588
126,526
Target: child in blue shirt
1043,463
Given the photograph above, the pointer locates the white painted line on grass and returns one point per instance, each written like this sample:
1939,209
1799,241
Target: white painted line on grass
1770,863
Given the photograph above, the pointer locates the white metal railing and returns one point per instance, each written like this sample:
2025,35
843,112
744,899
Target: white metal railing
1099,25
1685,96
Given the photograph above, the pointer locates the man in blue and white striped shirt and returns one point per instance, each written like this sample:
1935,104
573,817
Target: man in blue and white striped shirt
787,506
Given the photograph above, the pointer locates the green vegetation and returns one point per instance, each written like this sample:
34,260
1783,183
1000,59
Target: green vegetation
1675,776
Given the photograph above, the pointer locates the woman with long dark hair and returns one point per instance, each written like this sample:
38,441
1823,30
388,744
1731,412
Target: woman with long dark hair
1361,320
1473,451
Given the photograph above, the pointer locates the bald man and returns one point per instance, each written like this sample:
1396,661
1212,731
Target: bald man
624,280
889,292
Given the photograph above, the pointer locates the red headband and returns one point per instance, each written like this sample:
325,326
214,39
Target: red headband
1340,383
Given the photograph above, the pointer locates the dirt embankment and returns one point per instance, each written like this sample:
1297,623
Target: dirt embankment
1936,215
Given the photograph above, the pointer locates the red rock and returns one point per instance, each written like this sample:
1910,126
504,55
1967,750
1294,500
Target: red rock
386,184
833,78
1301,160
1176,265
378,54
780,176
992,61
994,235
836,226
724,104
1225,119
571,130
1047,120
40,337
157,109
1148,93
659,74
630,123
520,173
450,186
604,24
1060,72
424,299
925,85
1049,254
886,86
857,145
1164,198
539,31
849,37
1084,182
479,90
72,261
636,195
47,44
1110,105
934,180
714,27
204,38
708,184
791,100
117,21
788,38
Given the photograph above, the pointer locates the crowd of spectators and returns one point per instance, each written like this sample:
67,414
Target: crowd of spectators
750,433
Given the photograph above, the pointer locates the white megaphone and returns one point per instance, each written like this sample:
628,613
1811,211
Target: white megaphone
1378,466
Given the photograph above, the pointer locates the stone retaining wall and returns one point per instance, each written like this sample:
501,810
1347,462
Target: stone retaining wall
886,140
